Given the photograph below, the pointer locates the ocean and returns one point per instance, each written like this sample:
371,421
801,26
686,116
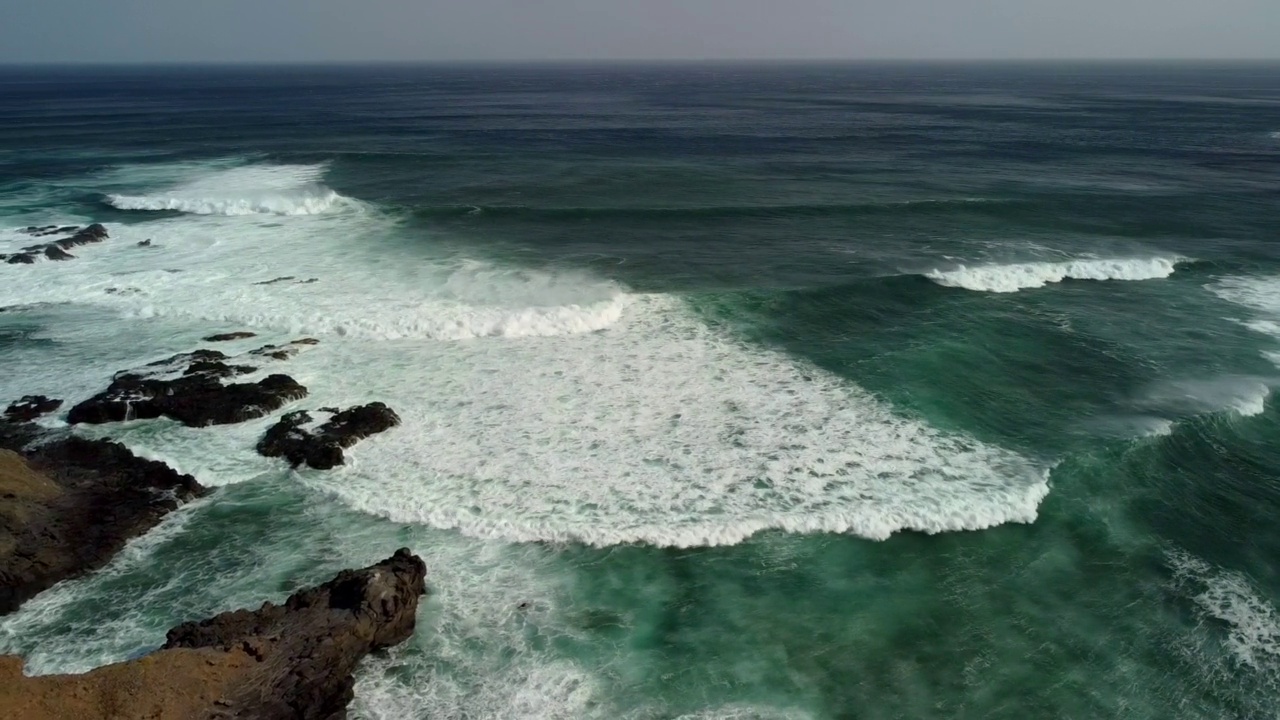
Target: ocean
730,391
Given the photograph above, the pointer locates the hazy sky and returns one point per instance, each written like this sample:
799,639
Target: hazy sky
335,30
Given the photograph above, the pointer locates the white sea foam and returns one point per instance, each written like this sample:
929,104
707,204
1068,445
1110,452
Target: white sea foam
655,430
1012,277
577,411
532,690
301,203
248,190
1260,294
1244,395
1229,597
473,655
347,276
1131,426
1157,427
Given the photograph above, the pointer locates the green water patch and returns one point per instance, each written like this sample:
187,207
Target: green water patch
1033,369
1081,614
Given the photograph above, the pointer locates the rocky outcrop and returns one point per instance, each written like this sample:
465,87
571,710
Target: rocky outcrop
196,400
293,661
292,280
188,388
322,447
53,252
227,337
51,230
95,233
30,407
57,250
284,352
68,506
307,649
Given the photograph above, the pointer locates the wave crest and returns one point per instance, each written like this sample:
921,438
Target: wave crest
316,203
431,320
249,190
1008,278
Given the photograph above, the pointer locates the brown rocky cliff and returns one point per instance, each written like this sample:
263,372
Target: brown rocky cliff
293,661
68,506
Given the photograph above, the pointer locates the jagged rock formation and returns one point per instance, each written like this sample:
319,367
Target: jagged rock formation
196,397
322,448
30,407
68,506
56,250
293,661
227,337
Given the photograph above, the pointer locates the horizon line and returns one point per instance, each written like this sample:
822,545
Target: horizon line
636,61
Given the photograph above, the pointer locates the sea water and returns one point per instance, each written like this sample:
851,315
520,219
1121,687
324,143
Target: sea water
729,391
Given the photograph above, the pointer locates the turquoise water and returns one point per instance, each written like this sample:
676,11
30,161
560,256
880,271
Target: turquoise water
729,391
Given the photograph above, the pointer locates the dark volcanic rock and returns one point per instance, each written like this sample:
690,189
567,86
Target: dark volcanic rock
213,368
42,230
198,399
51,230
57,250
200,362
31,407
92,234
308,648
226,337
53,252
284,352
288,278
68,506
188,387
322,448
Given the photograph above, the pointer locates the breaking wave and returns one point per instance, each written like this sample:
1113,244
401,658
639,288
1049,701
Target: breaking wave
250,190
1229,598
572,410
1008,278
662,431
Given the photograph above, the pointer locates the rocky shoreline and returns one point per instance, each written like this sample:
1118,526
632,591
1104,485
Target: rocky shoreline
69,504
293,661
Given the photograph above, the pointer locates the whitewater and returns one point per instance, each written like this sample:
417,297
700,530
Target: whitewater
664,430
538,405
